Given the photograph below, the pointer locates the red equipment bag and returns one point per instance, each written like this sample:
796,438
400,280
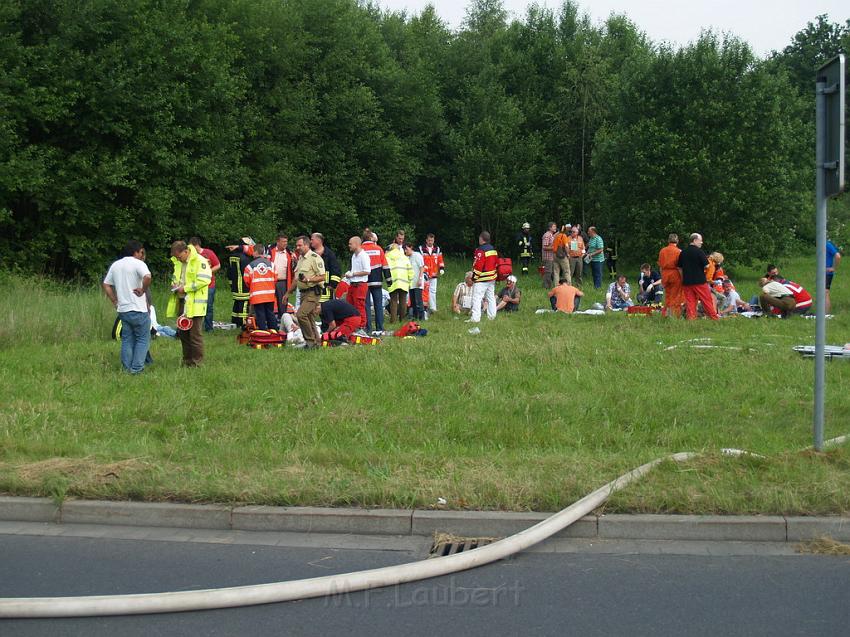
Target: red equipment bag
409,329
263,339
640,310
504,268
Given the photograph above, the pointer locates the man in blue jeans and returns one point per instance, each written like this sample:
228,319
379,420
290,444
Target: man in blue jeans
126,284
596,253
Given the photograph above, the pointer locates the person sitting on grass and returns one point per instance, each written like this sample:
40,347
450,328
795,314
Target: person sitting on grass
462,296
619,295
650,285
732,301
565,298
509,296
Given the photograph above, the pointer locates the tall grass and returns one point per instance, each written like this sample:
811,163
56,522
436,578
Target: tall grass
531,413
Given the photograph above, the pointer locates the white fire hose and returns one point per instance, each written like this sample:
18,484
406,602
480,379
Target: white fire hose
214,598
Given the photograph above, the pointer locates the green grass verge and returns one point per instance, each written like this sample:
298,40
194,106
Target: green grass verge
531,414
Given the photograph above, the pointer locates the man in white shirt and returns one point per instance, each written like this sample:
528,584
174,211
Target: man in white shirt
125,285
357,278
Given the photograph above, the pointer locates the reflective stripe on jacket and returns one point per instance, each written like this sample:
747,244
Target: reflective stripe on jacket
198,278
260,278
401,270
484,266
433,258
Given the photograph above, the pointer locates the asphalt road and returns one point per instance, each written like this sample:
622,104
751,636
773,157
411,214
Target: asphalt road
530,594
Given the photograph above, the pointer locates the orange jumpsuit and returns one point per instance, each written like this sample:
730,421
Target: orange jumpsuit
671,279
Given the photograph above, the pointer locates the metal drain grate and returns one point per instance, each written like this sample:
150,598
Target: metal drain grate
443,545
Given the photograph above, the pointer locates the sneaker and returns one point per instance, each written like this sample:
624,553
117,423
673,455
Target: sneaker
360,332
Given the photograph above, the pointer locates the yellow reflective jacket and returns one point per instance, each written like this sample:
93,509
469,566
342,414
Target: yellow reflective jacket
198,279
400,269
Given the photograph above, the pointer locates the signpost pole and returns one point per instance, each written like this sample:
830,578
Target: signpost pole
820,320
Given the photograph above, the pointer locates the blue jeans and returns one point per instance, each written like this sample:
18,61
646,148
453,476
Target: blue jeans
375,298
596,269
208,319
135,340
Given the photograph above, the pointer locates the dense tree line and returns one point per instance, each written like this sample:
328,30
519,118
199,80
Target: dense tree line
158,119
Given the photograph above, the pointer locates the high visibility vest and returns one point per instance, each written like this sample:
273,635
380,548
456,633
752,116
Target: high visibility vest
260,278
433,258
401,270
484,266
198,278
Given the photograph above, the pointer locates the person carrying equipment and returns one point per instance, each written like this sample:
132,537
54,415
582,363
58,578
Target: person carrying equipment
189,283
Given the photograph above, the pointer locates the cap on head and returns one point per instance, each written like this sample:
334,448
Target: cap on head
526,226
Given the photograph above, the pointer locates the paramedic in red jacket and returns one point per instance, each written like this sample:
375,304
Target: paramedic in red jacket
484,278
434,268
380,270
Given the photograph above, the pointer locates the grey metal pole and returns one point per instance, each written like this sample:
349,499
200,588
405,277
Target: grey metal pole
820,320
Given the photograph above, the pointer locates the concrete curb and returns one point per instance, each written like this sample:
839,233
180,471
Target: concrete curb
420,523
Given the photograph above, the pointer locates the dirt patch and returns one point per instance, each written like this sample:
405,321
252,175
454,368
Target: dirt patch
85,470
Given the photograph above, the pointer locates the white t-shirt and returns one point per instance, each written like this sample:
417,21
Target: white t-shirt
125,275
732,298
418,264
360,262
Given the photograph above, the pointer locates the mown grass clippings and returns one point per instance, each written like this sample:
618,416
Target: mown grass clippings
823,546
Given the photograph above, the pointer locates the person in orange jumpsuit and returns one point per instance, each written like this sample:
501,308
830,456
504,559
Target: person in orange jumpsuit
671,278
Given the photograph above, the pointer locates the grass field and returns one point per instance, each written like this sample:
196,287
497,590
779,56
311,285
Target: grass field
532,413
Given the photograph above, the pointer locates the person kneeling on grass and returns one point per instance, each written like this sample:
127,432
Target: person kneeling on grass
565,298
509,296
784,299
339,318
619,295
649,283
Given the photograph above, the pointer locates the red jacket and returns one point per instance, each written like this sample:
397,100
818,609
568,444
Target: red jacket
260,278
802,298
484,265
379,268
433,257
293,259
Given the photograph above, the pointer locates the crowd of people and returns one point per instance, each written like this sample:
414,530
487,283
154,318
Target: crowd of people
306,293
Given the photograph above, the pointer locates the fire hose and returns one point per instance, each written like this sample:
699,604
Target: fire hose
216,598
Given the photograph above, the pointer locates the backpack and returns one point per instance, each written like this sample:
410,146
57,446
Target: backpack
504,268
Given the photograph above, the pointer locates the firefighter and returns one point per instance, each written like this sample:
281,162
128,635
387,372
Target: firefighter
259,277
189,283
435,267
238,256
333,273
524,244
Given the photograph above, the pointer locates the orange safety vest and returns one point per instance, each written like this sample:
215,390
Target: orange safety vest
260,278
